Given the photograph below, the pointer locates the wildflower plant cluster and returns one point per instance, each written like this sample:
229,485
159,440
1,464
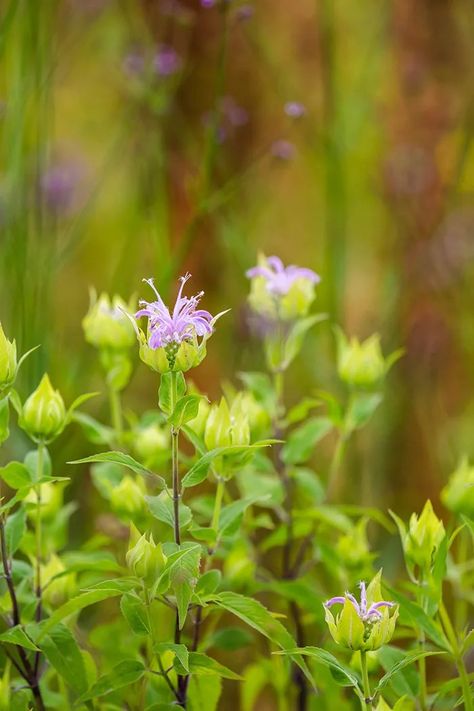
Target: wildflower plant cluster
230,574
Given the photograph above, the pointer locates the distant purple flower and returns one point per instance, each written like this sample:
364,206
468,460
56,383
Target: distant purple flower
167,61
244,12
58,187
133,63
294,109
280,278
236,115
366,614
208,3
186,321
284,150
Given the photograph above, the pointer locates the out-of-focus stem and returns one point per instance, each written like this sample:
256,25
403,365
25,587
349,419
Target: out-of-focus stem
458,657
334,482
116,413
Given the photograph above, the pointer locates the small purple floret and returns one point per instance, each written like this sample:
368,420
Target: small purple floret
294,109
282,149
280,278
166,61
366,614
186,321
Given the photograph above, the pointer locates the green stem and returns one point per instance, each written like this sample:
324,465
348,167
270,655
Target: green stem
365,681
38,532
334,483
458,657
116,413
174,461
217,503
422,661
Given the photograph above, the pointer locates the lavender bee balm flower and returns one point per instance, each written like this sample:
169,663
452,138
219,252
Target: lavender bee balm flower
172,340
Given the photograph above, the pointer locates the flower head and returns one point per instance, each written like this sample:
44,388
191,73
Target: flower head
366,624
294,109
174,334
281,292
167,61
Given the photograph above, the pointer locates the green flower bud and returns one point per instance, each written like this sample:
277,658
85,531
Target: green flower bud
353,547
44,416
144,558
151,443
51,500
106,325
458,494
218,426
423,537
240,429
8,363
361,364
366,625
127,499
297,302
56,590
198,423
245,405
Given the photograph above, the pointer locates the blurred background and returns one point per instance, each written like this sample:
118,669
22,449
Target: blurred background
145,138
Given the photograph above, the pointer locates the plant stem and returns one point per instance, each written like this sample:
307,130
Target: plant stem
458,657
334,483
181,692
38,532
217,503
116,413
422,639
365,681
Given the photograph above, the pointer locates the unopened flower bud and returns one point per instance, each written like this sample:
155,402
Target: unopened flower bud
44,415
240,430
423,538
50,499
8,363
127,498
198,423
458,494
244,405
145,559
151,443
353,547
218,426
106,324
56,590
360,364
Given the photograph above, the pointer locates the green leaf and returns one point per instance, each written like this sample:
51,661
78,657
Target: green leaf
254,614
181,572
124,460
15,528
63,653
304,438
409,658
421,619
186,409
231,639
161,508
17,635
125,673
342,672
199,470
95,431
232,513
164,393
75,605
361,409
295,339
31,463
200,663
468,642
179,650
15,475
134,611
208,582
204,692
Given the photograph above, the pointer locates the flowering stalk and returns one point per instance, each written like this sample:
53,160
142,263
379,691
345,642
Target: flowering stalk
38,532
367,703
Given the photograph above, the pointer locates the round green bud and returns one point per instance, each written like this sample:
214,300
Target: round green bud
151,443
423,538
8,363
458,494
127,499
297,302
145,559
218,426
360,364
56,590
43,416
106,324
51,500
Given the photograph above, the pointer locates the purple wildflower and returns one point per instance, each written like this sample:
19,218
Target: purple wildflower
59,185
244,12
167,61
370,614
294,109
183,324
284,150
280,278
